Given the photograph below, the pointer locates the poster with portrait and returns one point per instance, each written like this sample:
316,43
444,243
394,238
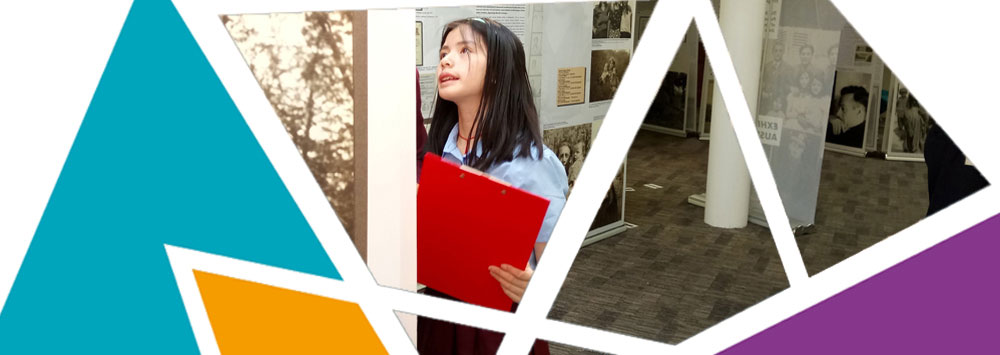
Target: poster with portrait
908,125
856,56
848,114
796,88
800,57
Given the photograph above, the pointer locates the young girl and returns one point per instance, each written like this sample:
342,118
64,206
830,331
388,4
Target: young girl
485,118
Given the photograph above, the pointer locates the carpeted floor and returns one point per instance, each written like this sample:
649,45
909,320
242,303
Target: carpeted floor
673,276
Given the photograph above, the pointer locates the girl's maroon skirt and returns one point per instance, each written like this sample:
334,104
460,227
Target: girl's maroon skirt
440,337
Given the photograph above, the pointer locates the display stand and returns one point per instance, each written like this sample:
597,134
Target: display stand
605,232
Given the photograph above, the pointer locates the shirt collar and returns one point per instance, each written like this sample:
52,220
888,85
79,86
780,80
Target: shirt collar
451,146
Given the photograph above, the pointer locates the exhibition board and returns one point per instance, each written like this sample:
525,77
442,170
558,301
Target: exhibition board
586,48
799,63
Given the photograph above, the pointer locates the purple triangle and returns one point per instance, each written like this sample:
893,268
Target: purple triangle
945,300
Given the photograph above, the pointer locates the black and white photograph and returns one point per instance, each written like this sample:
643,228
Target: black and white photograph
606,70
849,109
304,63
669,107
571,144
612,19
611,207
909,124
798,68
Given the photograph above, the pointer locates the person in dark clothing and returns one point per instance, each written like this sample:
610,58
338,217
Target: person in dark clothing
949,178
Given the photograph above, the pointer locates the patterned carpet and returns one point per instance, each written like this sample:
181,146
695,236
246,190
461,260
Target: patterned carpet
673,276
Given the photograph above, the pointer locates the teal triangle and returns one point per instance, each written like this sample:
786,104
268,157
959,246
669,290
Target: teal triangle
163,156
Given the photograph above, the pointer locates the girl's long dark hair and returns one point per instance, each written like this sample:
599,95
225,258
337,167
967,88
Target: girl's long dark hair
507,120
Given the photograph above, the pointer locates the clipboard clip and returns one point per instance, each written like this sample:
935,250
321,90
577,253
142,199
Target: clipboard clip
480,173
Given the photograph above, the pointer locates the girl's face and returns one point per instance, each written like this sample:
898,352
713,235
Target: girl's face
462,69
804,80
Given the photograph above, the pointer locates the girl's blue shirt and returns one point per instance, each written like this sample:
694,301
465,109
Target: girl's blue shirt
545,177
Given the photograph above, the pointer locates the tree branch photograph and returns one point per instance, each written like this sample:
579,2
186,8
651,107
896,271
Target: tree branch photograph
304,64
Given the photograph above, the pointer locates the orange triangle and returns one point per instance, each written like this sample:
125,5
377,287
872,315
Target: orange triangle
253,318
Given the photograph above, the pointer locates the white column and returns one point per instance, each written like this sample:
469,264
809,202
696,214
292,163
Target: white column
727,195
392,170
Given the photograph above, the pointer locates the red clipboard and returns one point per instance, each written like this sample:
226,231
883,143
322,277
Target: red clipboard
467,221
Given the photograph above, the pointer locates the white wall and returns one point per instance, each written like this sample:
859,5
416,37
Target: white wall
392,190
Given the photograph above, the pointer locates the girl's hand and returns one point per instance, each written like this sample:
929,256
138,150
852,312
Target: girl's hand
512,280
